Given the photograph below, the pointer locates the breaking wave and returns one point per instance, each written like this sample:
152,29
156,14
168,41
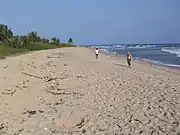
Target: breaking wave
172,51
141,46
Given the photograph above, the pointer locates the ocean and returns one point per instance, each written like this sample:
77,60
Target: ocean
167,54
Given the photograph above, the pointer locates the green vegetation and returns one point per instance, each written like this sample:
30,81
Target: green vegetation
55,40
11,44
70,41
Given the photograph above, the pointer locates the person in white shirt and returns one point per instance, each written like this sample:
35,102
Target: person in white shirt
96,53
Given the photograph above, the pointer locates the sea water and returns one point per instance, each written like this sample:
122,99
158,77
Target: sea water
167,54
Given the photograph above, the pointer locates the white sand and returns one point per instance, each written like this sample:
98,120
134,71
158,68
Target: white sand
70,92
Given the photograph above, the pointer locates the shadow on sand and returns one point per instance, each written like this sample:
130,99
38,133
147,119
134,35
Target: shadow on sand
117,64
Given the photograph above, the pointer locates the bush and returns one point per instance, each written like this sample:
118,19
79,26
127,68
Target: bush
6,50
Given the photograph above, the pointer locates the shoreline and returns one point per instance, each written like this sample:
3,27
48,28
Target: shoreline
167,67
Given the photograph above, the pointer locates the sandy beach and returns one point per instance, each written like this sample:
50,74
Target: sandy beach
68,92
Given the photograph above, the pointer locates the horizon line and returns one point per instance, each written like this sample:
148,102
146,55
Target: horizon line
129,44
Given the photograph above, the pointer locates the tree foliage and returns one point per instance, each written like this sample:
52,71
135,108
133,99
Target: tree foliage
55,40
70,40
5,33
33,36
7,37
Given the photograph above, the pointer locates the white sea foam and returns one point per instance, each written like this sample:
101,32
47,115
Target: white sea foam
141,46
121,47
172,50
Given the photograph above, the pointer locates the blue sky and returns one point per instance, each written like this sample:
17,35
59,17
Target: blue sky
96,21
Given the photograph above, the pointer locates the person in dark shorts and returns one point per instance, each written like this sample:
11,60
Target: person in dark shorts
96,53
129,57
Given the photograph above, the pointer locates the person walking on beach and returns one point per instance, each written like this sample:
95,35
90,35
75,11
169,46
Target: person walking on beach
129,57
96,53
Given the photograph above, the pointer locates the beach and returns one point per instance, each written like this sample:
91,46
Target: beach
160,54
67,91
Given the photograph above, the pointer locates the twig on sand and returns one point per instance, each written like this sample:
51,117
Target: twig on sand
56,91
13,92
81,124
32,75
64,93
47,79
50,79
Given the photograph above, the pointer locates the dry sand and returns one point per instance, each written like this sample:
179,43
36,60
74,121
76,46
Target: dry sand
68,92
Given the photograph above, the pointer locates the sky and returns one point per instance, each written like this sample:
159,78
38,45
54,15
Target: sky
96,21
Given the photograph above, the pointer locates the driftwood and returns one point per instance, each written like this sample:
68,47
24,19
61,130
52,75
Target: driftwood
32,75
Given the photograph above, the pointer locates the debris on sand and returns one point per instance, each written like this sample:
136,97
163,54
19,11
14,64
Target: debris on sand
30,112
48,79
69,93
2,57
60,91
70,121
32,75
10,92
55,55
3,128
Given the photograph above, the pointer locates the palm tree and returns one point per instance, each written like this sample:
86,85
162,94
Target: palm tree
5,33
70,40
57,41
